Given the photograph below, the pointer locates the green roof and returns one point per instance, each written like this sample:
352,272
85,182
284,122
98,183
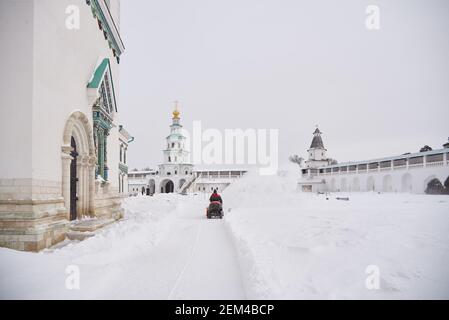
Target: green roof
98,75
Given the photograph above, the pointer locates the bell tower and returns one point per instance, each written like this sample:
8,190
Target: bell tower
317,152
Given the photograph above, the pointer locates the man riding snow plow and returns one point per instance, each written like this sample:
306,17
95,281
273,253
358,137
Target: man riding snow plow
215,209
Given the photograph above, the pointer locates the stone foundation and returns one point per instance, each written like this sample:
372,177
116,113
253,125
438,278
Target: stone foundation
33,215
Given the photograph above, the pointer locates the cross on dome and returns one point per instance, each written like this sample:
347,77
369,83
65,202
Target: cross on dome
176,113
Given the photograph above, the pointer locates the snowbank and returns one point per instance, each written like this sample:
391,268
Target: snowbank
301,246
101,258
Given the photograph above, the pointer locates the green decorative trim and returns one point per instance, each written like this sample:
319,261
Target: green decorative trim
115,42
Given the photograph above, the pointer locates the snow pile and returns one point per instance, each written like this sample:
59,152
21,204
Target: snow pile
302,246
103,258
140,229
255,190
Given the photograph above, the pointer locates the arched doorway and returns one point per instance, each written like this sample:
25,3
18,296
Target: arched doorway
78,166
356,184
386,184
333,184
370,184
167,186
152,187
406,183
73,180
343,184
434,186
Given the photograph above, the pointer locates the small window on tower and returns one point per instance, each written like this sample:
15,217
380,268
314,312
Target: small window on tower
172,144
169,159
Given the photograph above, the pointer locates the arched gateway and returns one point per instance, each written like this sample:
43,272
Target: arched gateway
78,166
167,186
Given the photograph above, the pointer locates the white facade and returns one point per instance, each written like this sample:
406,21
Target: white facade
175,174
54,75
124,139
208,180
404,173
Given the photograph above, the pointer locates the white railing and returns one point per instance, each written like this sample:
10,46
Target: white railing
435,164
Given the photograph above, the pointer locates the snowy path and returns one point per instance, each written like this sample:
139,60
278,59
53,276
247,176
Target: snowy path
165,249
196,260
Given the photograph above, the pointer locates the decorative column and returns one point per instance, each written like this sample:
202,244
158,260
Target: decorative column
79,186
91,174
101,148
66,159
86,183
105,149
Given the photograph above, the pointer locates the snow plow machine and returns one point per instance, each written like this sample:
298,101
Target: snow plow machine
215,210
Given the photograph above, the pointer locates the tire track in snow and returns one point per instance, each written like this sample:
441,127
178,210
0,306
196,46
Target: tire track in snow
186,265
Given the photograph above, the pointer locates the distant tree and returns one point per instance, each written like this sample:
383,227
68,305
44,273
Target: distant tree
146,169
135,169
296,159
425,148
332,161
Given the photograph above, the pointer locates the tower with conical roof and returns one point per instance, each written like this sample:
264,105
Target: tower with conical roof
317,152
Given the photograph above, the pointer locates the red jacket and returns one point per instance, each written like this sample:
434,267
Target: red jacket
215,197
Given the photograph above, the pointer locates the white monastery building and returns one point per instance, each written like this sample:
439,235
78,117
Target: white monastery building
63,151
411,172
176,173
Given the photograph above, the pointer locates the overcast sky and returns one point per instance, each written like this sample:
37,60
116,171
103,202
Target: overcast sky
287,65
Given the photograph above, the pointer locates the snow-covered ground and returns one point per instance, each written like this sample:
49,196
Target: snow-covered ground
302,246
273,243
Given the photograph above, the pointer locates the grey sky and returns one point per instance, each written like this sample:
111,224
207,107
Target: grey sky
288,64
